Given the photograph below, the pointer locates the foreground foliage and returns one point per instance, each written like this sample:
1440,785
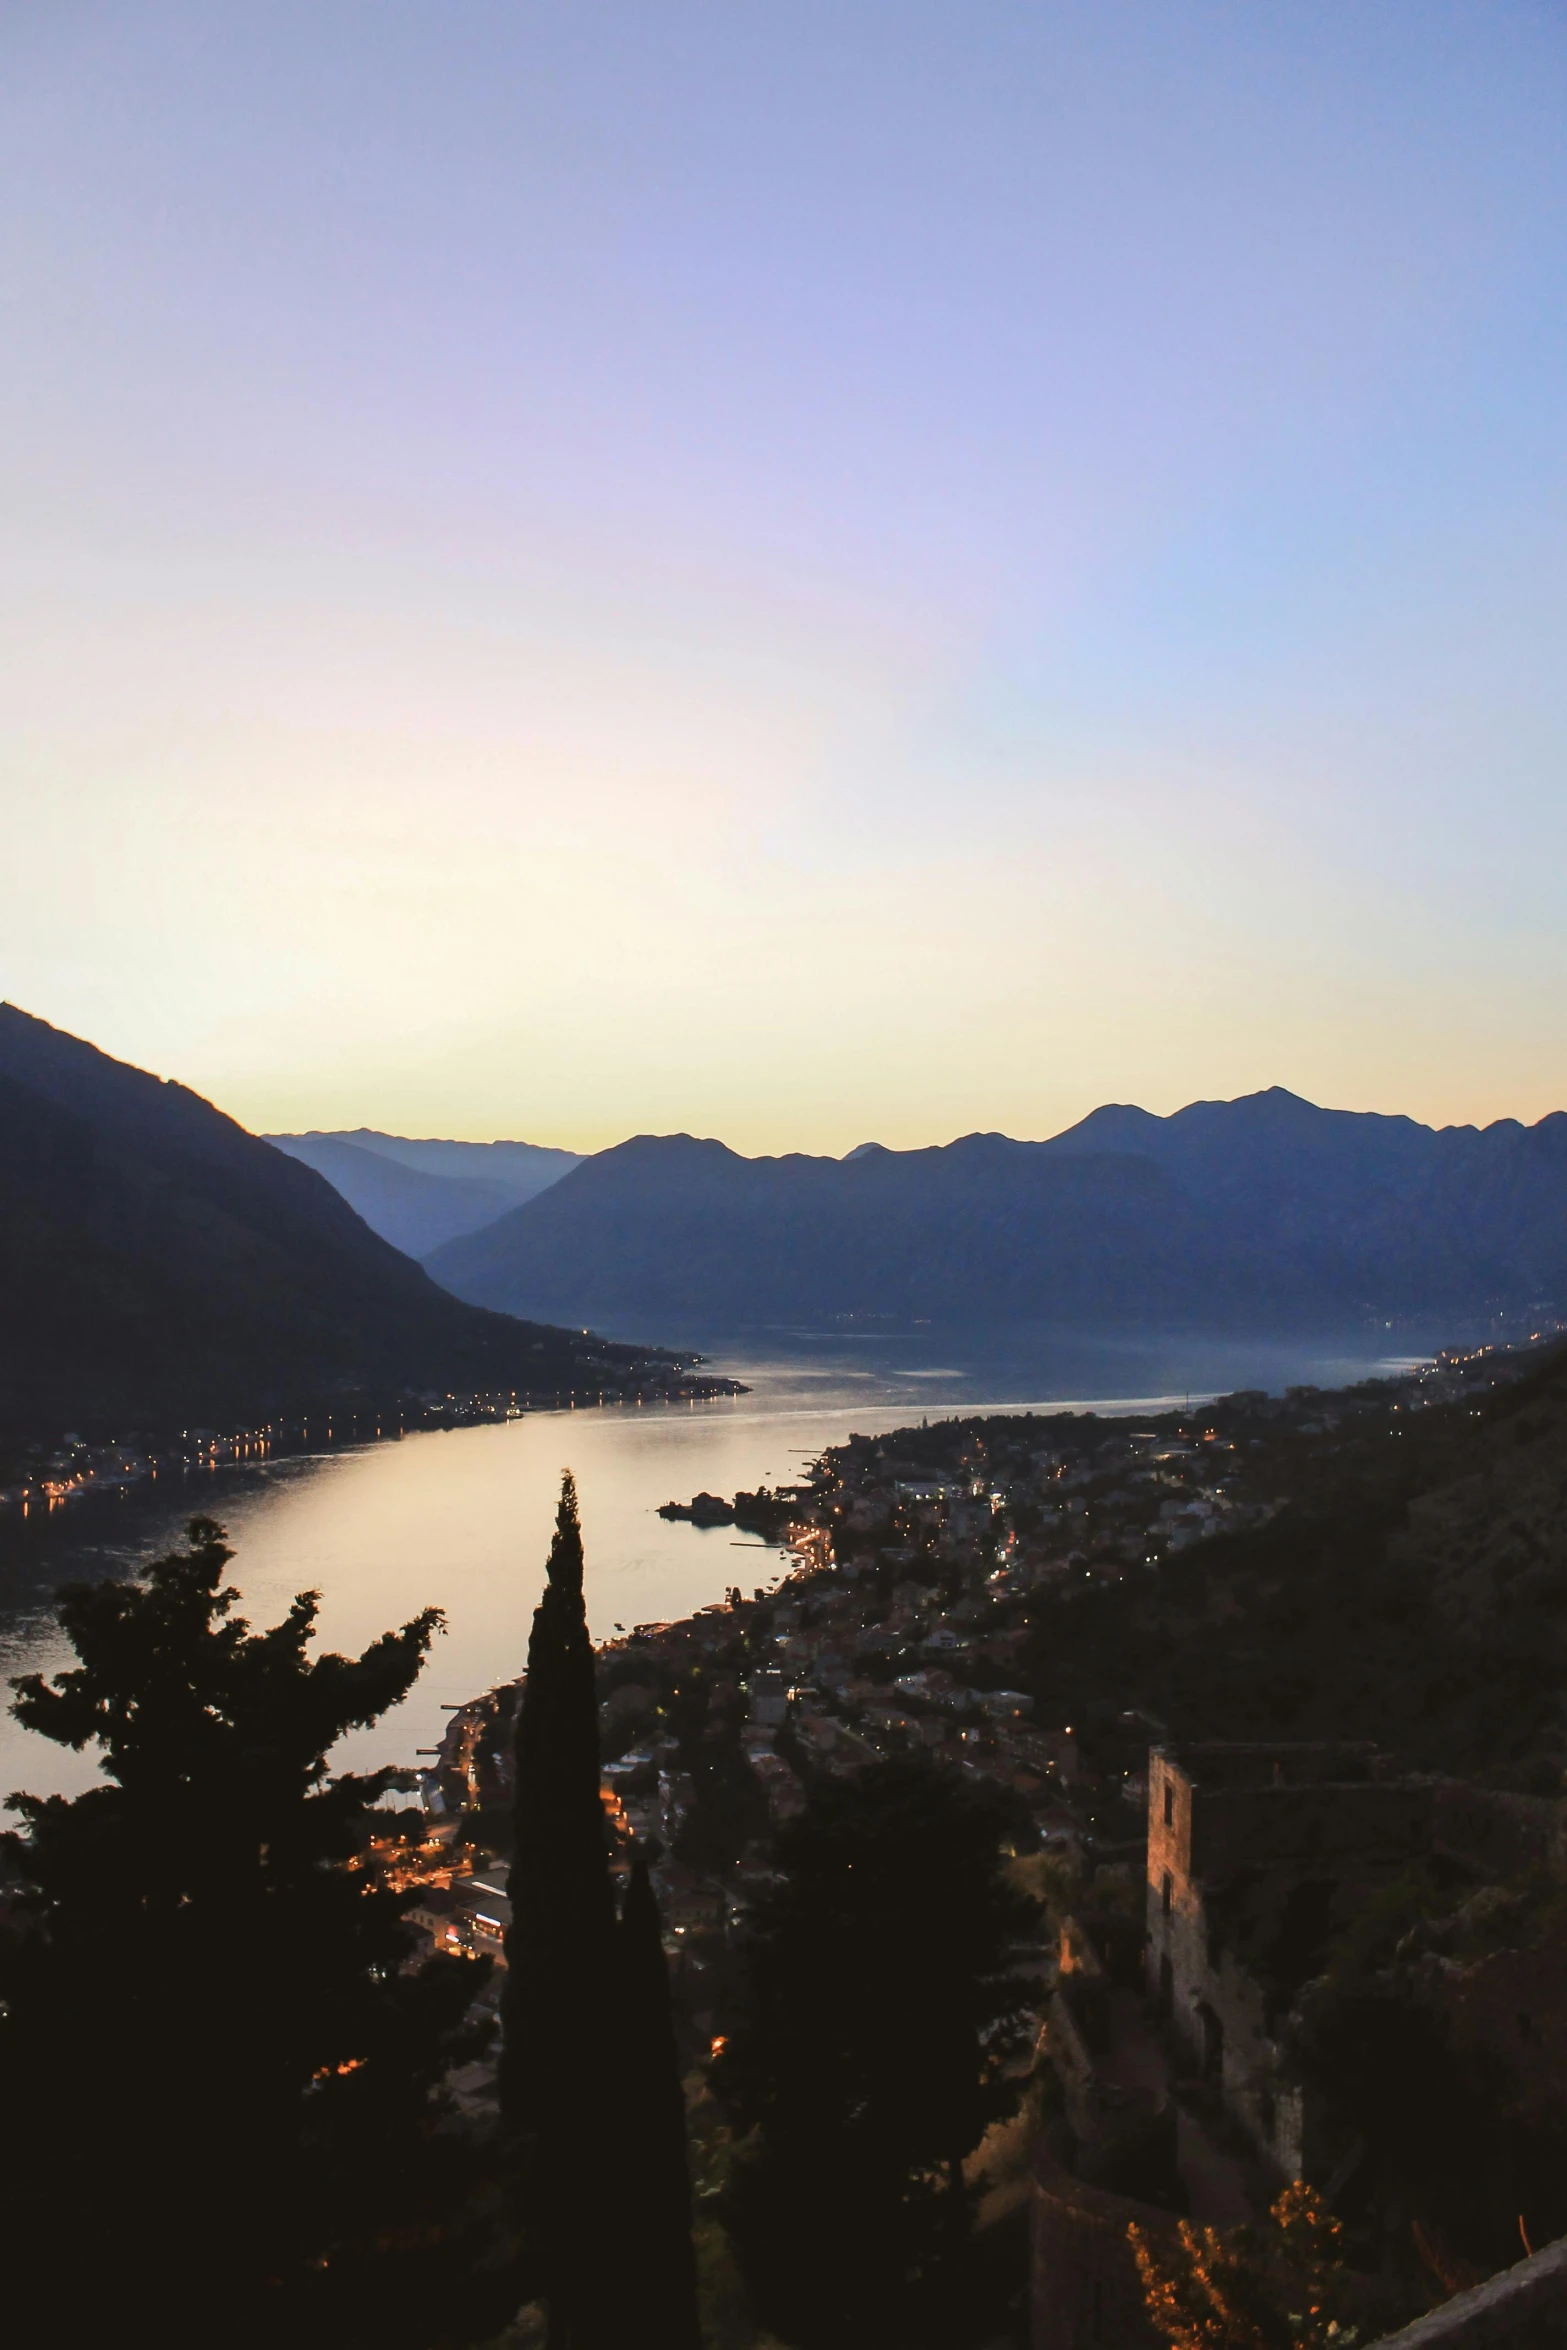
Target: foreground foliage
218,2068
1277,2287
885,2002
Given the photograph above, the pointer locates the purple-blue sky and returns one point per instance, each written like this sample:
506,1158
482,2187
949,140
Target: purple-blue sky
791,571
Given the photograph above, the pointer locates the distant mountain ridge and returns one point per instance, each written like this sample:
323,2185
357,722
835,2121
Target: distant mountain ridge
528,1167
159,1265
419,1194
1441,1215
1262,1212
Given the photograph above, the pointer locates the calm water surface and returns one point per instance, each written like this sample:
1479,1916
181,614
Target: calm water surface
462,1520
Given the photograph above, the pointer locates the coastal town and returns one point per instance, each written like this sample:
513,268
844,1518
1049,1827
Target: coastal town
918,1574
914,1568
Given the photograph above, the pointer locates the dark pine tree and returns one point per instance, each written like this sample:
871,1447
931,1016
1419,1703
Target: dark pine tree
560,1993
654,2219
219,2074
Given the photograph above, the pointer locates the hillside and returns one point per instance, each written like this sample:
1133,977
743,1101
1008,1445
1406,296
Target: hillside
1386,1562
1412,1590
158,1265
1256,1214
420,1194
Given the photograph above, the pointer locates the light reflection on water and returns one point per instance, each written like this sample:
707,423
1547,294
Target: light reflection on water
462,1520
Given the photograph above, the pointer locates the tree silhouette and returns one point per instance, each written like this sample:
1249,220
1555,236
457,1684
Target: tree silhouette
214,2054
558,1995
589,2074
883,2001
654,2216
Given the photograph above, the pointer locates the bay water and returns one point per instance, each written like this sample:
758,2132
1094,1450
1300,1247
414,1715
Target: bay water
461,1520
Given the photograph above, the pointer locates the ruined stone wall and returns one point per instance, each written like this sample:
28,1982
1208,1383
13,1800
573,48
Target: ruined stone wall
1506,2016
1219,2012
1215,1809
1335,1829
1500,1835
1224,1762
1174,1902
1200,1837
1224,2006
1084,2290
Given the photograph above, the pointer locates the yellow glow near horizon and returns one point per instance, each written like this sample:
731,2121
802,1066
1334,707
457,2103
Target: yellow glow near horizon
598,897
802,579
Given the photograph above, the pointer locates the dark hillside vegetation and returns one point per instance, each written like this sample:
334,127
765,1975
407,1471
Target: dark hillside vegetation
1412,1590
159,1265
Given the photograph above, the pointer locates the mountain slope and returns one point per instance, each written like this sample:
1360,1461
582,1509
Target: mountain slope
418,1195
1431,1217
1256,1213
1413,1589
986,1229
414,1211
159,1264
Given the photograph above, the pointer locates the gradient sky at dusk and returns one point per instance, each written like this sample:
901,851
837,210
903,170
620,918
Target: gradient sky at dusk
793,571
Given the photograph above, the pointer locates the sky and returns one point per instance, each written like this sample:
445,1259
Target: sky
798,572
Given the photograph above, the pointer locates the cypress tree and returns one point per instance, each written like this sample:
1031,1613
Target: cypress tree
559,1993
590,2071
655,2200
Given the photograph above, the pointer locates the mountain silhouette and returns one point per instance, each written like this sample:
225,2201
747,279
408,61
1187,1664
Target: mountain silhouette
159,1265
1260,1214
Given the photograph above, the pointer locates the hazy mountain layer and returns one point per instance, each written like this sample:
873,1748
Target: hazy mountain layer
522,1167
1264,1212
418,1195
158,1264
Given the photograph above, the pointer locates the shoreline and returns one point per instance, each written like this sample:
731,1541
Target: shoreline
71,1467
949,1522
